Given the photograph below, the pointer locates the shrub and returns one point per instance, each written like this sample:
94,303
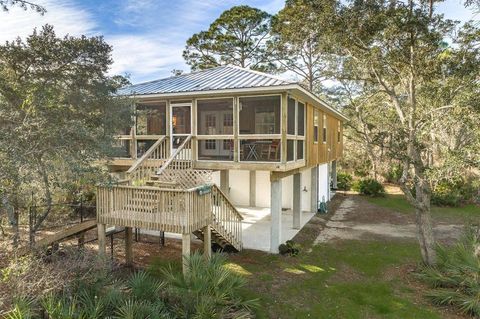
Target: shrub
368,186
456,192
393,174
344,181
290,248
210,289
454,280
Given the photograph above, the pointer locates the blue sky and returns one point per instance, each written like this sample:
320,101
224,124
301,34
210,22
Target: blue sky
147,36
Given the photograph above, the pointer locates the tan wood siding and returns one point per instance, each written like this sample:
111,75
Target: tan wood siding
320,152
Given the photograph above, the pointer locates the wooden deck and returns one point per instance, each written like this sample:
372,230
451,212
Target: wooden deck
172,210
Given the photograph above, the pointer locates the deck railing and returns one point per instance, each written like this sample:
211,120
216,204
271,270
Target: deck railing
171,210
151,161
179,168
227,220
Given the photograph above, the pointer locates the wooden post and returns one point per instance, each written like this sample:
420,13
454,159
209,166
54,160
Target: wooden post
297,202
314,190
225,181
102,240
207,242
276,212
283,131
253,189
185,251
128,246
236,146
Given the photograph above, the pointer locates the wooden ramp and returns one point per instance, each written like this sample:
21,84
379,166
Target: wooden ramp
61,235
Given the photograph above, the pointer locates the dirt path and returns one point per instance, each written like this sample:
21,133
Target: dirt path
356,218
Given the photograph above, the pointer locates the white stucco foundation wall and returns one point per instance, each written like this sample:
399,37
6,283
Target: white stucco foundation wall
323,182
305,185
240,187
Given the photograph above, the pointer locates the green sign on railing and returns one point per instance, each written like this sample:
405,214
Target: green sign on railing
206,189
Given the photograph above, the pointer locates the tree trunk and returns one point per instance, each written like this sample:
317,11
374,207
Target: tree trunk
15,228
425,235
424,222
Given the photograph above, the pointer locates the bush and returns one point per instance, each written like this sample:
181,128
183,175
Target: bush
454,193
454,280
368,187
290,248
344,181
393,174
209,290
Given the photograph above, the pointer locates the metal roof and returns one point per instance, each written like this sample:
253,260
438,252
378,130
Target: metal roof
219,78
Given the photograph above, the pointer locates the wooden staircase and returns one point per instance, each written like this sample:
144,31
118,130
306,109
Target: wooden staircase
167,193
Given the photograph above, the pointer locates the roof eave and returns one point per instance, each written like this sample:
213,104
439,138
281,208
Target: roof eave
272,88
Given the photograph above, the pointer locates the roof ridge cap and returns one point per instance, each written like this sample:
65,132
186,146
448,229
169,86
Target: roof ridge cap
262,73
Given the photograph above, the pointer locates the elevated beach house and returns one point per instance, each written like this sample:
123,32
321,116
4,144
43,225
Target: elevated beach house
213,152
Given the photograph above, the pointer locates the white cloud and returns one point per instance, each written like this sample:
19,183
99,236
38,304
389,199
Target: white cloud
145,57
65,16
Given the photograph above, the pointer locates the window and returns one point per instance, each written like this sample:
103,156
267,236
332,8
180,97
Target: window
291,116
290,150
215,117
259,115
300,149
324,134
339,132
151,119
301,119
315,126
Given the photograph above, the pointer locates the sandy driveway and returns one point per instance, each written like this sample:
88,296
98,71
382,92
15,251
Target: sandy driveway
356,218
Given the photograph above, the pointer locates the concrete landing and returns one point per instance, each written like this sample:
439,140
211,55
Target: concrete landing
256,226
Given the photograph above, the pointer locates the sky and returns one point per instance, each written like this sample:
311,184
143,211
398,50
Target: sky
147,36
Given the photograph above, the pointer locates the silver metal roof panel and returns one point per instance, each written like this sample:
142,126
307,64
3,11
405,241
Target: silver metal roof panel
219,78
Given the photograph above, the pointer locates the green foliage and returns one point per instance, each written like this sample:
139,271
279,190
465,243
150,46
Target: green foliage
300,43
290,248
455,277
393,174
369,187
237,37
456,192
21,310
344,181
58,115
208,290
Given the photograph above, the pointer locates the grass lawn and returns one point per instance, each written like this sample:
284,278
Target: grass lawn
349,279
342,279
397,202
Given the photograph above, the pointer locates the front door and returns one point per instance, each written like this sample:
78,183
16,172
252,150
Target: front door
181,123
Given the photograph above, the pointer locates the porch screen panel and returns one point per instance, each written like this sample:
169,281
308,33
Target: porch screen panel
151,119
291,117
259,115
301,119
215,117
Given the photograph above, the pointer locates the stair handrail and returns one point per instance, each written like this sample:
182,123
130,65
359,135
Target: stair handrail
227,200
174,155
149,154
